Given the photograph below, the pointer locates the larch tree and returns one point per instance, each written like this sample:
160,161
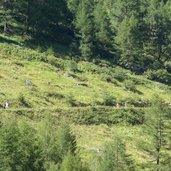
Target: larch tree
158,128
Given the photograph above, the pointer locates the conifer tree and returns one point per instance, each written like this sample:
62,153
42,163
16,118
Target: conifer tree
130,32
114,158
83,25
104,35
19,149
6,13
72,162
56,143
158,40
157,127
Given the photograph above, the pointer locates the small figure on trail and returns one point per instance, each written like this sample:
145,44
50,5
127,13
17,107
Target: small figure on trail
6,105
126,105
28,82
117,105
98,150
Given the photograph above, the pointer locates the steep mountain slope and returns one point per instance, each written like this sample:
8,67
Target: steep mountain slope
37,83
30,78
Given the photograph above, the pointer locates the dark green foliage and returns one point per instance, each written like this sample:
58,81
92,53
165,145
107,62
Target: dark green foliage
7,14
72,163
22,101
65,141
22,53
103,31
157,45
109,100
45,148
109,117
55,142
84,24
19,150
52,146
161,75
157,127
130,85
119,74
168,66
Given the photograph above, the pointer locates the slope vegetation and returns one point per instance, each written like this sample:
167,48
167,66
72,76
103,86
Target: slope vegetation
37,82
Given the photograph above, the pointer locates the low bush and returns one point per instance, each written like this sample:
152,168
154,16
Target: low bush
114,116
161,75
130,85
22,53
70,100
108,78
120,74
109,100
55,95
138,102
73,66
22,101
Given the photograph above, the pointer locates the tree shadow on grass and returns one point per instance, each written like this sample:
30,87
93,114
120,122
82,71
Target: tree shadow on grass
6,40
58,42
55,48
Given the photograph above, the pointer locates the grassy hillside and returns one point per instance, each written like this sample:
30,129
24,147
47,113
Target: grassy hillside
45,79
38,81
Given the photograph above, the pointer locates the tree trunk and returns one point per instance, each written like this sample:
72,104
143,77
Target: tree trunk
5,25
158,158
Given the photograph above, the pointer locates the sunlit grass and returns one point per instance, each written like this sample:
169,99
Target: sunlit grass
50,87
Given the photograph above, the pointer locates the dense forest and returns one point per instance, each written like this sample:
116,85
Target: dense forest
134,34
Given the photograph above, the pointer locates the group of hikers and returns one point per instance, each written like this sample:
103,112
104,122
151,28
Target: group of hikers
118,105
5,105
